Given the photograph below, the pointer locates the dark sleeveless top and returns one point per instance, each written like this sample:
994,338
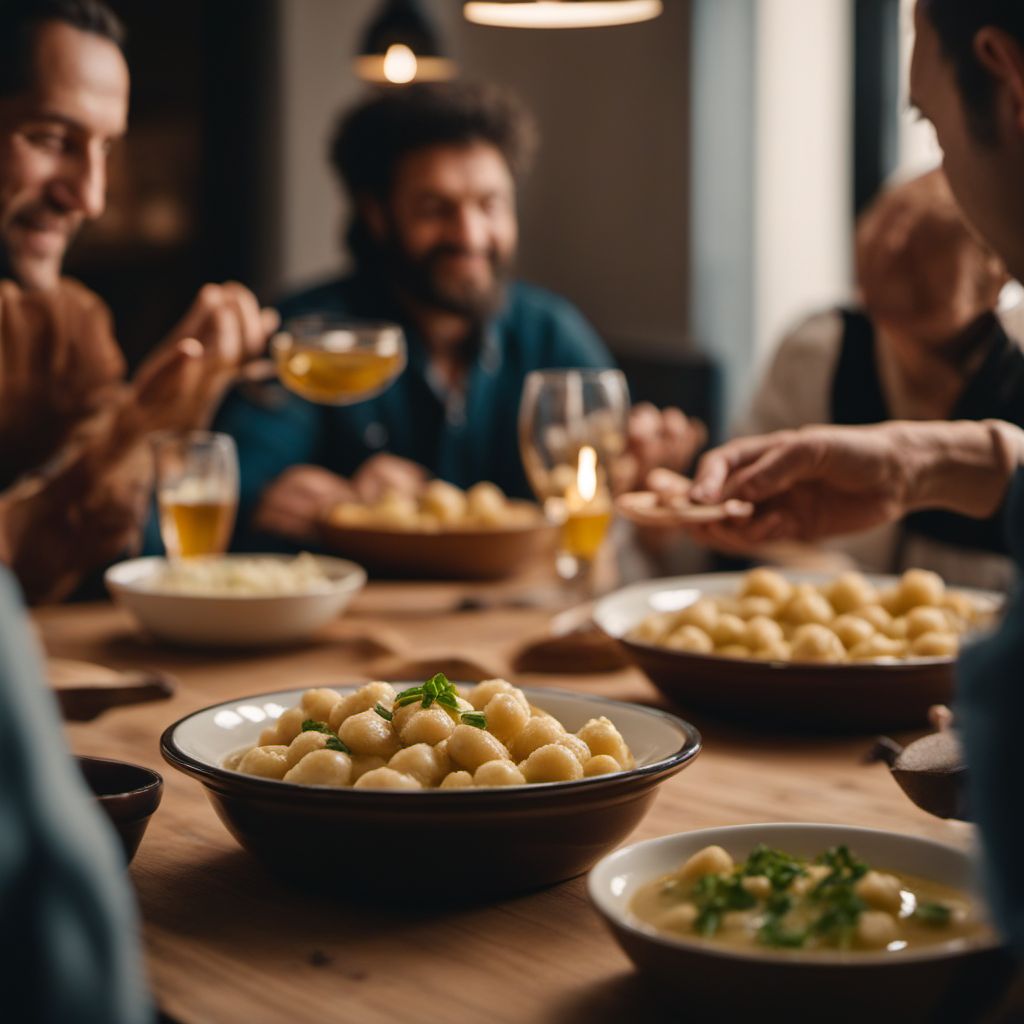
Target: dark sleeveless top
995,391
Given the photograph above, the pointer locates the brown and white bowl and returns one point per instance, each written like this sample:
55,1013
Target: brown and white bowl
850,697
489,842
953,981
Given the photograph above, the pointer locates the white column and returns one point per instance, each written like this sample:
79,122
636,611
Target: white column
803,162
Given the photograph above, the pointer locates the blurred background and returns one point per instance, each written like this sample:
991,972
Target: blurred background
695,192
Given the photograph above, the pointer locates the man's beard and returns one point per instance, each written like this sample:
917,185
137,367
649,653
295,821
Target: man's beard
421,279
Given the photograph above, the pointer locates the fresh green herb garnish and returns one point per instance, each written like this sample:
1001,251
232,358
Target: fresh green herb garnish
779,868
937,914
312,725
841,906
716,894
383,712
438,690
333,743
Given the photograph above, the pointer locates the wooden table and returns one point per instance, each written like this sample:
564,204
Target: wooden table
226,943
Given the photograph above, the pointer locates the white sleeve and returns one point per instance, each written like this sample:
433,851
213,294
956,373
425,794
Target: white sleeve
796,388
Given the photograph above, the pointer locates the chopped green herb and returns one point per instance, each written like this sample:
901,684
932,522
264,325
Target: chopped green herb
383,712
311,725
716,894
333,743
778,867
477,719
937,914
436,690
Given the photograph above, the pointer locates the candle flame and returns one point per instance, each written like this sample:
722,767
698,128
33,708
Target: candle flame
399,64
586,473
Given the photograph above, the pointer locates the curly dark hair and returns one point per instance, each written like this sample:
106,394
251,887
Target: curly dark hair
19,20
372,138
957,22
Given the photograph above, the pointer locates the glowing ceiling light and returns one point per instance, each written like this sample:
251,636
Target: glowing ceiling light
560,13
399,64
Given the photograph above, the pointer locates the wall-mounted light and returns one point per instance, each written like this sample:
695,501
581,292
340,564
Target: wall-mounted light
560,13
401,46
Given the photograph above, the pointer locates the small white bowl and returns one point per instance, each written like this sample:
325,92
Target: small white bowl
236,620
910,985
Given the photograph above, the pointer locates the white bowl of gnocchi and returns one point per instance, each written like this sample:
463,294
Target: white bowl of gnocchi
853,923
520,788
235,600
804,650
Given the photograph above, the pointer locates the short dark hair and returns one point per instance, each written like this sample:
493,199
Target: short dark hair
20,20
957,22
373,137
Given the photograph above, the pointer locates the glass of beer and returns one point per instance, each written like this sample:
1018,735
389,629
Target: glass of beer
572,427
335,361
197,491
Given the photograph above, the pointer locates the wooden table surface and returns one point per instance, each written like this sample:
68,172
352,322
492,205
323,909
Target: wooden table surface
226,943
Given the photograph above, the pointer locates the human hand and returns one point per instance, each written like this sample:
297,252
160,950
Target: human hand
293,504
384,473
82,512
656,438
232,331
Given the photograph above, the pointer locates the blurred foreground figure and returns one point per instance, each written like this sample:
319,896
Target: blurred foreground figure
967,77
925,344
73,473
432,174
69,951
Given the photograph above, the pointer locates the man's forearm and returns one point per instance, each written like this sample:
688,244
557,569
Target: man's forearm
963,466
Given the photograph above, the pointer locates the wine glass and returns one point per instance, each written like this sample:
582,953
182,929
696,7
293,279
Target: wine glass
337,361
572,427
197,491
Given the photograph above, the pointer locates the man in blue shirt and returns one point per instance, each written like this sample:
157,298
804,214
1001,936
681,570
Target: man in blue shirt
432,172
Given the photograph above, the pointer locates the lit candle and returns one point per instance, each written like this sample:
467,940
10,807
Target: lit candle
588,511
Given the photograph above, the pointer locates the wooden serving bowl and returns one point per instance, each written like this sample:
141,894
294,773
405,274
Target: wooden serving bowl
496,841
800,696
455,554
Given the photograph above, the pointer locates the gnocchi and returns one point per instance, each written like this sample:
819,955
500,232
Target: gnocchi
429,737
844,620
440,507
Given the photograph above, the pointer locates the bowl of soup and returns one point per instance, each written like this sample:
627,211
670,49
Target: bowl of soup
821,922
498,788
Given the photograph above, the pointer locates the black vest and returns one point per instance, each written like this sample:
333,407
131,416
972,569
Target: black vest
995,391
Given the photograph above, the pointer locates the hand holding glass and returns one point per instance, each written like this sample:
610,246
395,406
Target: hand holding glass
335,361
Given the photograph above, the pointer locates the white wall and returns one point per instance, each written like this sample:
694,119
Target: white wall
603,217
803,161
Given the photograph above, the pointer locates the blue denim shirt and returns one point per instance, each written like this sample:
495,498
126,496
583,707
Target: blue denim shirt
69,946
990,714
462,438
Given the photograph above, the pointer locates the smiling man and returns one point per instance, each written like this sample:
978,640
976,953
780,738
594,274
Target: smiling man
432,174
73,476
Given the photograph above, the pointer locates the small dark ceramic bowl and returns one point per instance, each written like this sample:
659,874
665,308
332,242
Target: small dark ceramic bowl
953,981
128,794
491,842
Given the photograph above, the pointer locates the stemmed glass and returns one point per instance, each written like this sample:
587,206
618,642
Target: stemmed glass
337,361
197,491
572,427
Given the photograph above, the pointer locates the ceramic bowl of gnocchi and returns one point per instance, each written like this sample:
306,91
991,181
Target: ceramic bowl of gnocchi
801,650
497,788
852,922
235,600
444,533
